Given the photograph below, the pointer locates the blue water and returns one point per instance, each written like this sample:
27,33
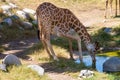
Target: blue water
99,62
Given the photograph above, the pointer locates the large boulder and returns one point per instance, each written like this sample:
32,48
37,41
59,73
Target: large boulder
112,65
11,59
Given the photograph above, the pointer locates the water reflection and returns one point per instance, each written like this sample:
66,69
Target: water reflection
99,62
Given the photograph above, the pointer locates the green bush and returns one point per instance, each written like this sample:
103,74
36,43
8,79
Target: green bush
102,37
117,30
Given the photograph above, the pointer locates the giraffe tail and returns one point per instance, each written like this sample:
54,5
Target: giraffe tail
38,34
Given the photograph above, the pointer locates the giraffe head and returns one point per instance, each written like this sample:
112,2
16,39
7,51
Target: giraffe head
93,48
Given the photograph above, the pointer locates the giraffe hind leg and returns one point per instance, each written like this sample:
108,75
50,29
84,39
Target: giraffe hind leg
45,38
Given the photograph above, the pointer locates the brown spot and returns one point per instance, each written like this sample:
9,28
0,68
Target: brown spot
77,29
72,20
81,37
76,22
82,31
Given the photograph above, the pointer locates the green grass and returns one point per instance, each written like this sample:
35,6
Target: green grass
2,49
111,54
21,73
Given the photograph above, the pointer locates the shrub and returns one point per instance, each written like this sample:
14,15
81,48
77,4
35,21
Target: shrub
117,30
102,37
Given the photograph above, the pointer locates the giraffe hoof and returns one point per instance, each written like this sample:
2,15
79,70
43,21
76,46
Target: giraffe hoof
56,59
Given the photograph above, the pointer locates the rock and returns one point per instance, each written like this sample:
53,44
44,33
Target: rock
1,26
22,14
3,67
107,30
35,22
112,65
35,17
12,5
11,59
6,7
29,11
37,68
8,21
14,17
27,25
86,74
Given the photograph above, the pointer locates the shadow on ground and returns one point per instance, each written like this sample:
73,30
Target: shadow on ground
64,65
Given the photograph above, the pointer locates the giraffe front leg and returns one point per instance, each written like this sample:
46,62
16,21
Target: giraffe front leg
80,50
71,50
45,46
93,60
52,51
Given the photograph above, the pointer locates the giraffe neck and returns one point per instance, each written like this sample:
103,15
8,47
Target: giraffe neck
82,32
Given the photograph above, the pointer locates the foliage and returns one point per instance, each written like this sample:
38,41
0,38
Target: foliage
102,37
2,49
117,30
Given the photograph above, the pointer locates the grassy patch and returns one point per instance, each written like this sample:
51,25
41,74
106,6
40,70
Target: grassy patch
21,73
111,54
2,49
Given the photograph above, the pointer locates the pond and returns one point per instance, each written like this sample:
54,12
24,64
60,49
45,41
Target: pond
99,62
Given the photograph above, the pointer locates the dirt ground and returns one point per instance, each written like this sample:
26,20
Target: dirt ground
93,19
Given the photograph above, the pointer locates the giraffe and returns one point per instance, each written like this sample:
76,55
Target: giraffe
117,3
63,23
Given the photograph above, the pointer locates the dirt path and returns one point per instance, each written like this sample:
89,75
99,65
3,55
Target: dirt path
56,76
95,18
92,18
